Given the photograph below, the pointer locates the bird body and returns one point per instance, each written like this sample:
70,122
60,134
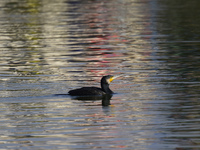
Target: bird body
87,91
105,81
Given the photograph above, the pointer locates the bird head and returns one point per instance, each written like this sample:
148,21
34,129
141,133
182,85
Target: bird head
109,78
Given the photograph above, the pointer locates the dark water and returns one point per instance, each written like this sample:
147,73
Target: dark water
51,47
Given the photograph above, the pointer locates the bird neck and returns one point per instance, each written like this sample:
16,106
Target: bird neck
106,89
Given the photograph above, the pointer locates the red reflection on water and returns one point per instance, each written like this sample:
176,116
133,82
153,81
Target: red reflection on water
100,48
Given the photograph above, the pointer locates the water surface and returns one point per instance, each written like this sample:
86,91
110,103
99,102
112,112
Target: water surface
50,47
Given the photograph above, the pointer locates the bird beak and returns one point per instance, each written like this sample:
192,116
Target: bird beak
114,77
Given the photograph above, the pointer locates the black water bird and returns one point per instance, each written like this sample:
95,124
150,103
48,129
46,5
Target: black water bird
95,91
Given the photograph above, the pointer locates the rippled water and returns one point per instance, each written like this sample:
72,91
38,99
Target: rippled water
50,47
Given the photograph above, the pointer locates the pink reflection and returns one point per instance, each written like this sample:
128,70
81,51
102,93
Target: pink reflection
100,51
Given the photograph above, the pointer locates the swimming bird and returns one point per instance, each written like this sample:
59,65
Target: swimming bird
95,91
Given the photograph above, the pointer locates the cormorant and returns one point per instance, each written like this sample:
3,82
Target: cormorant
95,91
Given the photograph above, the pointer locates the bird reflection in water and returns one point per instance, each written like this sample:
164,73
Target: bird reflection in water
105,98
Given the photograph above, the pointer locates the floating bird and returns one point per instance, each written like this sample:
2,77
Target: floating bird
95,91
